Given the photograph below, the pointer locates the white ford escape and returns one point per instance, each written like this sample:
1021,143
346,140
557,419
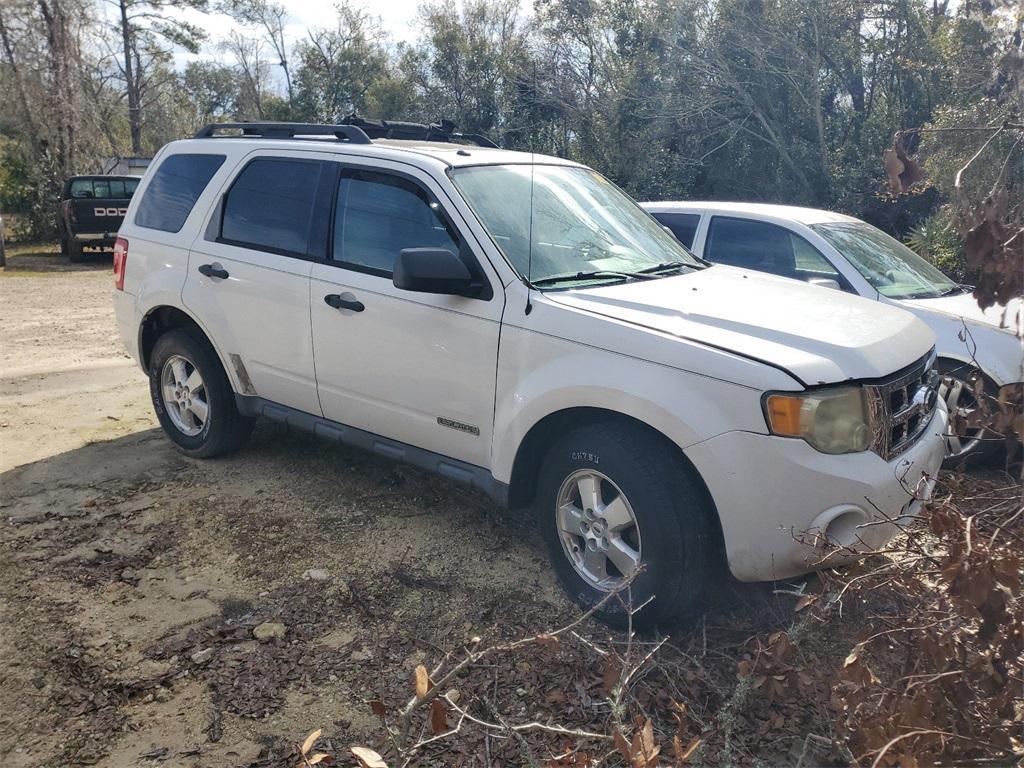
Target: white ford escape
517,323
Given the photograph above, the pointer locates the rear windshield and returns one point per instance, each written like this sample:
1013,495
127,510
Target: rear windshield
103,189
174,189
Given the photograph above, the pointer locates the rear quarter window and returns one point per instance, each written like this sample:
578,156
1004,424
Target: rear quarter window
174,189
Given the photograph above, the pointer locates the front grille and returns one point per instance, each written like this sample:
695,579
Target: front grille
901,407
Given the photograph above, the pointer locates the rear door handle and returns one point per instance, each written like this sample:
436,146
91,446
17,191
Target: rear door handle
213,270
338,302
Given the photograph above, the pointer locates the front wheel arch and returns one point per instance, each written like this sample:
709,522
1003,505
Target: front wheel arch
534,446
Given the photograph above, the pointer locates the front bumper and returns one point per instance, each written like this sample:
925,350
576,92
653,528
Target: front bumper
787,509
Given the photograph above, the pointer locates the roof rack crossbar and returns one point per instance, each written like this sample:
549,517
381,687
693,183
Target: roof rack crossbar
271,130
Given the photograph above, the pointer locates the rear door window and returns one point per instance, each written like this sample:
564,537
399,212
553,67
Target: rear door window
765,247
271,206
174,189
81,189
683,225
380,214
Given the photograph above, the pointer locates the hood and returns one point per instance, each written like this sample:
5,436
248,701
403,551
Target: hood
819,336
1007,317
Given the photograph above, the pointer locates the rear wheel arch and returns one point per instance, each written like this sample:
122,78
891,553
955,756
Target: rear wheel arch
530,454
165,318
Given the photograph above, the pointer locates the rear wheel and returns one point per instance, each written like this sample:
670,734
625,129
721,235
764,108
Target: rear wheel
193,398
965,441
74,251
614,503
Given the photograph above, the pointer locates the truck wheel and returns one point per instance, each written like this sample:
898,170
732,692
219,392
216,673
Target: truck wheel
965,443
63,246
193,397
75,254
612,499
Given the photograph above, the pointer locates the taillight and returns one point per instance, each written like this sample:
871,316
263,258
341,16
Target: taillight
120,262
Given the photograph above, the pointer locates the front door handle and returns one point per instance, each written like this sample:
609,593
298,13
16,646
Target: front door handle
338,302
213,270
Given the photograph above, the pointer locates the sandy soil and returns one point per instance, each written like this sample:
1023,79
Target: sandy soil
122,560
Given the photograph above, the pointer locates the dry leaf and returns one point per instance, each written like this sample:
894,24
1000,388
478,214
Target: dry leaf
422,681
611,669
311,740
378,708
438,717
320,757
548,641
683,755
368,758
623,746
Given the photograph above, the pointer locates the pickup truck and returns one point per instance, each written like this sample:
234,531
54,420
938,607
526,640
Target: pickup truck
90,211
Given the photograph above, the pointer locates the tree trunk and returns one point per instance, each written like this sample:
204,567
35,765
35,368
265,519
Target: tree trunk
134,108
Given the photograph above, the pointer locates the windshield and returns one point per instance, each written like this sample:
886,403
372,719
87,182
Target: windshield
584,229
890,267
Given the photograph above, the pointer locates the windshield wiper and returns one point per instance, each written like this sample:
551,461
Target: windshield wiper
596,274
674,266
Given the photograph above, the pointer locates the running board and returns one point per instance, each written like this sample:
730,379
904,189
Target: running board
448,468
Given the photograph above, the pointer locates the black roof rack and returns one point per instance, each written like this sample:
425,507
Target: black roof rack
264,130
395,129
353,129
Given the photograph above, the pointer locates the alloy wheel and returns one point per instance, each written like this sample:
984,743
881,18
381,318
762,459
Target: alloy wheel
961,438
598,529
184,394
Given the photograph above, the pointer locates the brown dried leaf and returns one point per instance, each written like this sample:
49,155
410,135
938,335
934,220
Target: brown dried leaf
320,757
378,708
683,755
422,681
367,758
548,641
623,746
438,717
311,740
611,670
645,751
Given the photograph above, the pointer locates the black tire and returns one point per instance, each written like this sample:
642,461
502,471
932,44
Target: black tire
985,444
225,429
676,520
63,246
75,254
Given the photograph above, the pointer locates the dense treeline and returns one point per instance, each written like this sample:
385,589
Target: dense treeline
776,100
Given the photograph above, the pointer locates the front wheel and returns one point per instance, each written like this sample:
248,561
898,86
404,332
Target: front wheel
193,398
616,503
966,440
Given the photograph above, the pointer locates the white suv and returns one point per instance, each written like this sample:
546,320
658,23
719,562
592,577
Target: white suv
516,323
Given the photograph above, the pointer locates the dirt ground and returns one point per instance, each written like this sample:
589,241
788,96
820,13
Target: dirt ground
122,559
156,610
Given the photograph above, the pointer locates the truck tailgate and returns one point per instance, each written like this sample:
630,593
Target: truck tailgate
91,215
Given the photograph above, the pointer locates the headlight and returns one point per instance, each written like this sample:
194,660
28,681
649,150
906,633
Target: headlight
831,420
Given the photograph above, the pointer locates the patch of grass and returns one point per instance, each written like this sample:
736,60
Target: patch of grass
44,258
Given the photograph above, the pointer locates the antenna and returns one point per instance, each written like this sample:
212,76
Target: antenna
529,252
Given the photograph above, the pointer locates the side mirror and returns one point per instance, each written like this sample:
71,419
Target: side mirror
826,282
434,270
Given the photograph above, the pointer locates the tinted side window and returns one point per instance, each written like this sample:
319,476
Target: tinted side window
379,214
683,225
81,188
270,206
174,189
751,245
